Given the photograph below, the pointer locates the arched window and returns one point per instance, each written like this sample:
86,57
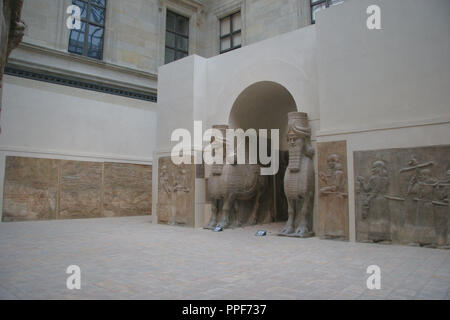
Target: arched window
88,40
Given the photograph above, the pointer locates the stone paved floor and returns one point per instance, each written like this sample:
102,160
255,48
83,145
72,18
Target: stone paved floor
130,258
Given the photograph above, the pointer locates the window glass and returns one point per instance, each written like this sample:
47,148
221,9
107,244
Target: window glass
76,40
182,44
170,55
225,26
230,32
177,37
83,7
97,15
182,26
88,41
100,3
95,42
237,21
237,39
170,22
226,43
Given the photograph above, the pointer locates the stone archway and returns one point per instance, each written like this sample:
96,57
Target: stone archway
265,105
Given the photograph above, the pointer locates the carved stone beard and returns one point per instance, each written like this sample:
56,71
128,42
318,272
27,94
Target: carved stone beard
295,154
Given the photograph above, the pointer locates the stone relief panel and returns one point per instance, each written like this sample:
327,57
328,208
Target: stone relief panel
30,189
39,189
176,184
333,190
127,189
80,189
402,195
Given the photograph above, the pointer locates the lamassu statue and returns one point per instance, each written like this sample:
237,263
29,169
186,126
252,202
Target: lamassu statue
299,178
231,183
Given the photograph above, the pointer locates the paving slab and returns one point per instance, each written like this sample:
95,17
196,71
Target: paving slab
131,258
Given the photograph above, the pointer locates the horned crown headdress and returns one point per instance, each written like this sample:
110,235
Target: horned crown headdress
298,124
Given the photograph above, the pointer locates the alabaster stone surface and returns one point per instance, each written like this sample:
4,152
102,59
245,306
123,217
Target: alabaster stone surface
30,189
238,193
127,189
299,179
176,192
332,218
38,189
80,189
402,195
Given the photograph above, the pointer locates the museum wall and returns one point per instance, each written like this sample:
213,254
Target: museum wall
288,60
369,95
395,76
386,93
42,120
205,90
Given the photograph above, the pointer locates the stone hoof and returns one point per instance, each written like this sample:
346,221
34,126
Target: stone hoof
211,225
303,233
287,230
224,224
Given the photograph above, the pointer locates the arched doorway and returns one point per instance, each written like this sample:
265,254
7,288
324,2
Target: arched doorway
265,105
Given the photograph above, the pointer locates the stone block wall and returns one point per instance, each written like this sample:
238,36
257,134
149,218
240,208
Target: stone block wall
43,189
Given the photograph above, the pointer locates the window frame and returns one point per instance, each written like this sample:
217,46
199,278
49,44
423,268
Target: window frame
314,3
176,34
87,22
231,34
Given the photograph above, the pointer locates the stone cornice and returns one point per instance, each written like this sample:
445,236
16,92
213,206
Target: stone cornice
35,57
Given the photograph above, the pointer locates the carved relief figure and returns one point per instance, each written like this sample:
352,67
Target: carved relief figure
334,178
427,205
333,206
230,183
174,184
442,209
443,189
299,177
421,188
374,201
420,214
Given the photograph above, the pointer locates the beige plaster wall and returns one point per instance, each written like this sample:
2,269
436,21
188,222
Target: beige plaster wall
42,120
387,88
